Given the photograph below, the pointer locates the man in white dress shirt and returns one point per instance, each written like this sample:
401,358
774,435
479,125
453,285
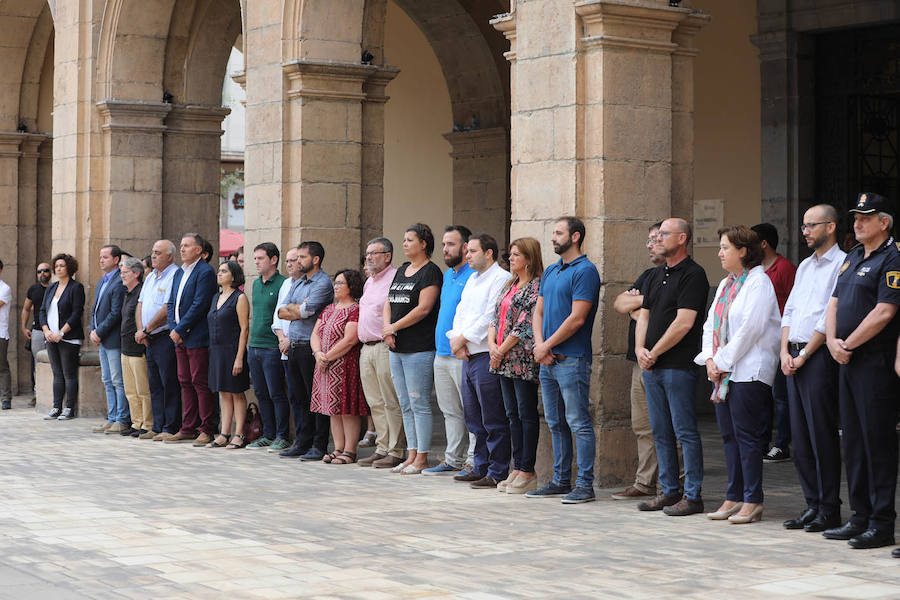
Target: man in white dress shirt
812,374
5,375
481,395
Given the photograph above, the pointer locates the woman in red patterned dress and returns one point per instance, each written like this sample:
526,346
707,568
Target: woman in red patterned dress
337,388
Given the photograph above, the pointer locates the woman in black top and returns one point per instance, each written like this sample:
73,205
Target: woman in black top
229,330
411,315
61,313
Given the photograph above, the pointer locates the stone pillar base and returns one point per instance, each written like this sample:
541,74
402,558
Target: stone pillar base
91,393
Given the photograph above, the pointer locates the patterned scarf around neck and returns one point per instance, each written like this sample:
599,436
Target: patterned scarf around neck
720,328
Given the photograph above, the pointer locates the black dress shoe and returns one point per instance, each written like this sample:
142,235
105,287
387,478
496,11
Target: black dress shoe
293,452
805,517
872,538
844,532
823,522
895,552
128,431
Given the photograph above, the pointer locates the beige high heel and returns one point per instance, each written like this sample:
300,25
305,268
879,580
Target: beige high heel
756,515
722,515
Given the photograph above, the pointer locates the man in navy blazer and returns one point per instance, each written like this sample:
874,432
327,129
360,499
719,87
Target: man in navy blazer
193,288
106,321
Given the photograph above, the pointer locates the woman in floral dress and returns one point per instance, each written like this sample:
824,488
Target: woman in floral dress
511,344
337,388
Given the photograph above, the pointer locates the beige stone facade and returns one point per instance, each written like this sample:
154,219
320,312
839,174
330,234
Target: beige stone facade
508,114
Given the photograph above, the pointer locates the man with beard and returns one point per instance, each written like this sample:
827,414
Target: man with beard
629,303
811,374
309,296
448,368
667,338
34,297
563,320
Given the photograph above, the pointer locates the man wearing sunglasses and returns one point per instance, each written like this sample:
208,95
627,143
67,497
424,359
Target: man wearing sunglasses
31,330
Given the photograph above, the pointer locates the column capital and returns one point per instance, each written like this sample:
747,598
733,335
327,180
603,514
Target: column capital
31,144
686,32
635,24
775,45
11,142
196,120
471,144
377,82
133,116
240,78
506,24
327,80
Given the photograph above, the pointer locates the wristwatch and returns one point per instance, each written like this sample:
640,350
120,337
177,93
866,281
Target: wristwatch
802,353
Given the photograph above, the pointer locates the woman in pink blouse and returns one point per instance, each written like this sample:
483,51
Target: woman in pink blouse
511,342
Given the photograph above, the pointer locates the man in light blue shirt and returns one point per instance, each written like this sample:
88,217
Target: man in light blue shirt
309,296
447,368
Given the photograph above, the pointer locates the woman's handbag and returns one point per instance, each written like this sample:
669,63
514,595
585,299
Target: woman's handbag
253,428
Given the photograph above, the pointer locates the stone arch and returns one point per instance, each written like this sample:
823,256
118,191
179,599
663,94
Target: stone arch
28,26
329,31
133,36
40,48
479,94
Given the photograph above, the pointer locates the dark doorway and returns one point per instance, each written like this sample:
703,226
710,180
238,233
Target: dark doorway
857,115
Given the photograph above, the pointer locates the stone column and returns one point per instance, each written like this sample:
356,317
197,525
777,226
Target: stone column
130,187
372,193
596,108
480,200
787,69
322,183
191,172
11,226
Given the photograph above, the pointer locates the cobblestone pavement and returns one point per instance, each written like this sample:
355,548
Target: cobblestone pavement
99,516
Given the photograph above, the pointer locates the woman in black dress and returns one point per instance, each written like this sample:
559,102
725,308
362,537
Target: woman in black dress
229,328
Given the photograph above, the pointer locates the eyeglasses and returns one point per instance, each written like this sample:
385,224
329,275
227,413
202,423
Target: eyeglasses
368,254
337,283
663,234
43,270
809,226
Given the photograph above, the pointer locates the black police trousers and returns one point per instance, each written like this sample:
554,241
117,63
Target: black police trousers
868,406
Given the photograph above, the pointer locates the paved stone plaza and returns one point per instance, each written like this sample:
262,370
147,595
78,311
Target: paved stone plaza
98,516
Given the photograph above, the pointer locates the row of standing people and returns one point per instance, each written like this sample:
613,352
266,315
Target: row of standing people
836,344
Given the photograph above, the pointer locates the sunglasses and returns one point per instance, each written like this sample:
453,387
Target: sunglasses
43,270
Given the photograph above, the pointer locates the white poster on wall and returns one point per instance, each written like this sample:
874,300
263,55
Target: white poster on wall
709,216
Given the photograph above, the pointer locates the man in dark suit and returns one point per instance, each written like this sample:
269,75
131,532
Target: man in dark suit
106,320
193,288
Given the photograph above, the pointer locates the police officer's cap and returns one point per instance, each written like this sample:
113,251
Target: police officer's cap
868,203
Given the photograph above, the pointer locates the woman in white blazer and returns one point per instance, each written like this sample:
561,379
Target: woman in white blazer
741,340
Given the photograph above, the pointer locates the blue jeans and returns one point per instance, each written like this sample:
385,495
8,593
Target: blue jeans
111,375
413,375
670,402
565,385
268,385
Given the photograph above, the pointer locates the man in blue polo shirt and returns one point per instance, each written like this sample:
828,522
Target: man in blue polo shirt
563,320
447,368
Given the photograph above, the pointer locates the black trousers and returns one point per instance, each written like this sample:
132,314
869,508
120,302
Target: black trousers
64,365
165,391
311,428
868,406
813,397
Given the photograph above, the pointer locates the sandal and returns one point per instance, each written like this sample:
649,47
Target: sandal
215,443
232,445
330,456
345,458
368,441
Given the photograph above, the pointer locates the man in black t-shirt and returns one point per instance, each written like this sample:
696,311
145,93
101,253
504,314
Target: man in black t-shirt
629,303
668,336
31,329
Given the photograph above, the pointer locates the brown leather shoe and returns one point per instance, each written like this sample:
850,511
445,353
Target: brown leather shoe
485,482
181,438
367,462
685,507
387,462
631,493
202,440
658,503
468,476
101,428
162,437
148,436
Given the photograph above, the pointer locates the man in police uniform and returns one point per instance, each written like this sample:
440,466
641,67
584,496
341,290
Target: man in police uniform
861,330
